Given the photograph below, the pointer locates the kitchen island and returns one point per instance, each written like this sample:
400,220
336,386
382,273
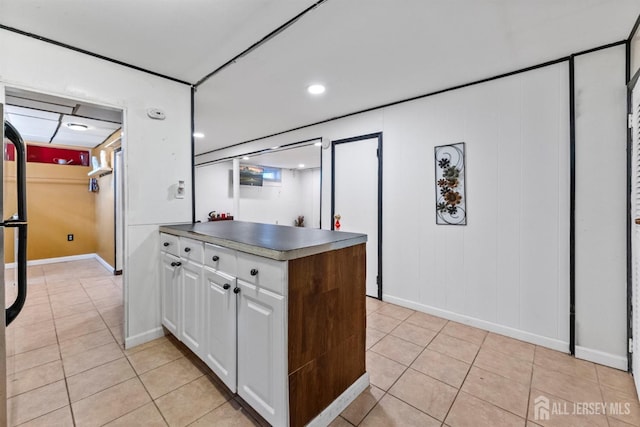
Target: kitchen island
277,313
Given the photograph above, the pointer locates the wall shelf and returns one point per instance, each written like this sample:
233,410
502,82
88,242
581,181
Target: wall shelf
100,172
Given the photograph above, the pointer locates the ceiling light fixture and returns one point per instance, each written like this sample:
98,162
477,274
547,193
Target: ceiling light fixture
198,135
318,144
77,126
245,158
316,89
301,165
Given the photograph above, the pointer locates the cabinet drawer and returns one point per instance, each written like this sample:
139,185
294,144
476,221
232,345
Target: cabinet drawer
263,272
219,258
170,244
191,250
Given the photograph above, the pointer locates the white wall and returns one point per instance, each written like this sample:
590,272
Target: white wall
156,153
507,270
601,207
298,194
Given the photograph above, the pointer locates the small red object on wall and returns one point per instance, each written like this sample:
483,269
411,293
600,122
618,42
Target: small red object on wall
336,226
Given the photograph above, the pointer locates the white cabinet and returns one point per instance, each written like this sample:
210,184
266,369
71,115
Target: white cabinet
191,325
233,319
220,326
262,355
170,277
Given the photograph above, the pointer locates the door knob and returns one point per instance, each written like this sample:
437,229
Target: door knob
187,249
215,258
236,290
165,244
226,286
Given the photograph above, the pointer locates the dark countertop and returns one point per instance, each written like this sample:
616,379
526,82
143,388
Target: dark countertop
277,242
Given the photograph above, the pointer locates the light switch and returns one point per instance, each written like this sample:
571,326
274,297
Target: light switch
180,190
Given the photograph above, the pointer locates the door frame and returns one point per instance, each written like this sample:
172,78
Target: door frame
378,136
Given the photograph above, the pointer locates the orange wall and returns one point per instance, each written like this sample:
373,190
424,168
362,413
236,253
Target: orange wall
58,203
105,205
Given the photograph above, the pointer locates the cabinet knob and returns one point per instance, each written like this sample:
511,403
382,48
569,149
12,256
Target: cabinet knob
215,258
173,264
187,249
236,290
165,244
226,286
254,271
178,263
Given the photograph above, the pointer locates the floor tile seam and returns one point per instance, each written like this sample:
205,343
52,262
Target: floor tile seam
37,388
138,351
87,349
453,357
569,400
155,367
567,373
232,395
42,415
625,394
403,339
426,329
527,384
93,367
172,390
42,344
437,331
462,339
395,361
413,406
384,393
465,377
511,355
498,406
118,417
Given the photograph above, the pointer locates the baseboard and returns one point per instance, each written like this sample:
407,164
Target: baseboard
482,324
332,411
104,263
144,337
602,358
64,259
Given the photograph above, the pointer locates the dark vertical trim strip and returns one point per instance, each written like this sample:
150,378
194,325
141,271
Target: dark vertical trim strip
193,152
572,207
634,29
629,219
86,52
378,136
321,175
380,276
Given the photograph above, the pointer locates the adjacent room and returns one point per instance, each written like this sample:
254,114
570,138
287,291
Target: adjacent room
321,213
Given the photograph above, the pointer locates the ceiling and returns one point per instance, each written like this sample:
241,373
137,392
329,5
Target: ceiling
367,53
291,158
44,119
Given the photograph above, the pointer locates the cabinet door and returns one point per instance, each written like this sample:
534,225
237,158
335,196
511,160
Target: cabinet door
262,357
170,292
220,326
191,325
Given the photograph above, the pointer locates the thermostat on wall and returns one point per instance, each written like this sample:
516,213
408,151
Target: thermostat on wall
156,113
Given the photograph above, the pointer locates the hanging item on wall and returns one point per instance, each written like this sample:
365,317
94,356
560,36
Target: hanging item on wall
93,185
451,199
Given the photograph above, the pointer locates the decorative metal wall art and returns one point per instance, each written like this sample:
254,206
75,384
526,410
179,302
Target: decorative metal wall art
451,199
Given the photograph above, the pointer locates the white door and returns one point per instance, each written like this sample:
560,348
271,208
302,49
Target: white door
191,319
170,292
220,326
635,234
262,359
356,195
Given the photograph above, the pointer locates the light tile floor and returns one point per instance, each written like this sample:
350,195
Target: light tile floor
67,367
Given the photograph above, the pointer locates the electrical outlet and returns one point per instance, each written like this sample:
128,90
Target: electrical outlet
70,237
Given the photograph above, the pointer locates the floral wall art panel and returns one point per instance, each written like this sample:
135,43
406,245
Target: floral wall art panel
451,199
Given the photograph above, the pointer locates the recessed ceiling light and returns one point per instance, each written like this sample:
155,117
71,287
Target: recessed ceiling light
275,148
318,144
301,165
245,158
77,126
198,135
316,89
